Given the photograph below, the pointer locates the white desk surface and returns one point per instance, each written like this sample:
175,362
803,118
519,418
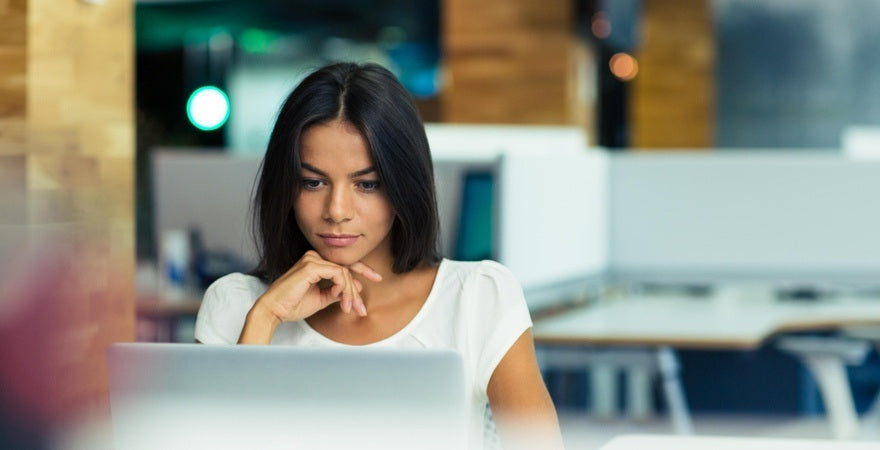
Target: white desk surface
641,442
699,322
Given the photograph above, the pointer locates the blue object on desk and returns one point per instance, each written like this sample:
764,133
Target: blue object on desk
474,240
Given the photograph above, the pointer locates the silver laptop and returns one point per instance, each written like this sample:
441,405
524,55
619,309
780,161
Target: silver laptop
176,396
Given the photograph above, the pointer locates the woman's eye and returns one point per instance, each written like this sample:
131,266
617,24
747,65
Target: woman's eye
369,186
311,184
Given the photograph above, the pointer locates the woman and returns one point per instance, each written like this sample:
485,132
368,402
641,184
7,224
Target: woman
345,213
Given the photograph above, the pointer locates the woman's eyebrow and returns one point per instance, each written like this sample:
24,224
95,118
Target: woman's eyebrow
311,168
355,174
362,172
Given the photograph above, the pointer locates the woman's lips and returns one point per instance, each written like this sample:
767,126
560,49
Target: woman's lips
339,240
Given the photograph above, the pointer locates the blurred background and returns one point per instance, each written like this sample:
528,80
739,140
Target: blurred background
129,130
706,75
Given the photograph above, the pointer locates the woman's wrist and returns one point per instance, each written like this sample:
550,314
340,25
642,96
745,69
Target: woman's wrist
259,325
263,312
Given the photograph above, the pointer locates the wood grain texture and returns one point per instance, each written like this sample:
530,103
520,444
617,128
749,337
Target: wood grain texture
673,97
13,57
511,62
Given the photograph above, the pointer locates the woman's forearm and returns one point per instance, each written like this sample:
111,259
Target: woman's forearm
259,326
529,430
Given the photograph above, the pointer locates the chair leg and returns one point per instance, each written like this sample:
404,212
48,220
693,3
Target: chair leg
638,389
603,387
675,399
825,358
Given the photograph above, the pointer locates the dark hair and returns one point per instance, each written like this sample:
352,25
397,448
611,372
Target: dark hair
369,97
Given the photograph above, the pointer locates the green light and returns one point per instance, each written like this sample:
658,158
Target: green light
257,41
208,108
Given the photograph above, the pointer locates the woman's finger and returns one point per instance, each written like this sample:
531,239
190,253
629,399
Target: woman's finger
359,306
351,290
365,271
335,290
348,291
317,272
344,302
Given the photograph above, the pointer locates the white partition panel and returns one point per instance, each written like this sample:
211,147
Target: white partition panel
458,149
552,216
717,216
473,143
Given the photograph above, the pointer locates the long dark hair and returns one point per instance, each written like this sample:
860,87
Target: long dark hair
369,97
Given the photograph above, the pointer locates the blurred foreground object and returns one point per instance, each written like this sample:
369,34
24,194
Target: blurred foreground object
861,142
627,442
66,210
50,377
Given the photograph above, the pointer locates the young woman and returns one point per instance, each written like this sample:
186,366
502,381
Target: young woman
346,224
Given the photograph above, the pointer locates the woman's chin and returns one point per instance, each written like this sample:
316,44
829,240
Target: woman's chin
338,256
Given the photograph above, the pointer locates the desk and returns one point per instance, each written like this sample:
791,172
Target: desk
165,313
640,442
666,322
703,323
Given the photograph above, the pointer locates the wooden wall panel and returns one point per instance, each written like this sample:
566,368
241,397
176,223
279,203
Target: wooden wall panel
511,62
672,102
13,130
13,56
67,144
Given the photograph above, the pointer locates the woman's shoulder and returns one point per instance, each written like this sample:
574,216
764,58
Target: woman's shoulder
237,283
469,270
224,307
479,278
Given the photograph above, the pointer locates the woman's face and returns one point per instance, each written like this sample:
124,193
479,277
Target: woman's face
341,208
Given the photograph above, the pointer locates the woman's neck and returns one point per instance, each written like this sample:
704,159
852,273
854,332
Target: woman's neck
393,286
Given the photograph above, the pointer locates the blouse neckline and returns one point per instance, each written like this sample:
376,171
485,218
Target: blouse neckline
412,323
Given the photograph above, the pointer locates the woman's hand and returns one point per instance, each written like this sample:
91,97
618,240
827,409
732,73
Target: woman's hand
311,285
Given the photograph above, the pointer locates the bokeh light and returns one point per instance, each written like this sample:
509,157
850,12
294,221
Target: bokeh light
624,66
208,108
600,26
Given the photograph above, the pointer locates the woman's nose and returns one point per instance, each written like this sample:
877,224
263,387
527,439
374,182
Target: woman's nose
339,205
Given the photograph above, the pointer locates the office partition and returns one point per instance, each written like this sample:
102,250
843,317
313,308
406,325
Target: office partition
781,216
552,228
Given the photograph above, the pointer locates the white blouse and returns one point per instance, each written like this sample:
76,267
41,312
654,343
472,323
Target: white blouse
475,308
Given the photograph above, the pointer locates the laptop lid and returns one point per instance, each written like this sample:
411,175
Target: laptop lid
203,396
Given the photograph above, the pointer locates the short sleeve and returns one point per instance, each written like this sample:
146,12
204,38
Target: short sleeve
224,309
501,316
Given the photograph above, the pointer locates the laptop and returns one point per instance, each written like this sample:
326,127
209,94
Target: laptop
188,396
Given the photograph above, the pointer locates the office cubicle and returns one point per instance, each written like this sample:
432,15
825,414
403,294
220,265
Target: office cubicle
577,214
747,225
